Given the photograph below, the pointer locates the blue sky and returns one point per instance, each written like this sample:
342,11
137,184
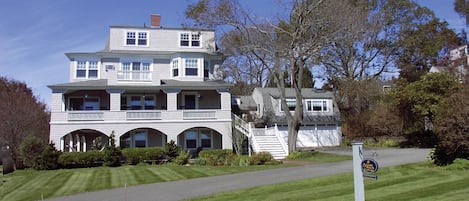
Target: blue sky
34,35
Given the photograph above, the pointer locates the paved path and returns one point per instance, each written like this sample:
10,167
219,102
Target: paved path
184,189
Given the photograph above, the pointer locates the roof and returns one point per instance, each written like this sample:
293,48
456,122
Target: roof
102,84
161,27
307,93
245,103
290,93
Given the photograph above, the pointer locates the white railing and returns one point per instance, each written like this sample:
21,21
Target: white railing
241,125
281,140
85,116
134,76
199,115
140,115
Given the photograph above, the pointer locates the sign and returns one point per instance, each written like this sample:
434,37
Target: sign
369,168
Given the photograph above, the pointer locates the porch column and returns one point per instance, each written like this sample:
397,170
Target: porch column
58,100
70,145
78,144
172,101
62,143
115,99
83,139
225,98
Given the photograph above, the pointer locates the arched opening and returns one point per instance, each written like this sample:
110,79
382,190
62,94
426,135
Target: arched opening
143,137
200,138
83,140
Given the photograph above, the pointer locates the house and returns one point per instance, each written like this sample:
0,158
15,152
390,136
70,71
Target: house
320,126
458,64
148,86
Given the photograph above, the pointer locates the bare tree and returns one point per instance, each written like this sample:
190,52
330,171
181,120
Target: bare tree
22,115
290,44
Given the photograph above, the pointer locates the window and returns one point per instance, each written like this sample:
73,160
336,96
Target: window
130,38
87,69
191,139
291,103
198,137
136,38
138,102
316,105
189,40
195,42
135,71
184,39
175,67
81,69
142,38
93,69
140,138
191,67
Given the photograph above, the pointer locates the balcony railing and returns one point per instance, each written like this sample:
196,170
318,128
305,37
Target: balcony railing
85,116
141,115
134,76
199,115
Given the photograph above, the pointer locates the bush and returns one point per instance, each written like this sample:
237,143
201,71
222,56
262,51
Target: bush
182,158
135,156
81,159
215,156
171,150
240,160
30,149
48,159
111,156
459,164
260,158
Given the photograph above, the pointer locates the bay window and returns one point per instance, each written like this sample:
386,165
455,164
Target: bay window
175,67
191,67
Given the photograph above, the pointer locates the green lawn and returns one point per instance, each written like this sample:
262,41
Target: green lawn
31,184
419,181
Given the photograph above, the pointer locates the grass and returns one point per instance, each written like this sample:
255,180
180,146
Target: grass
419,181
31,184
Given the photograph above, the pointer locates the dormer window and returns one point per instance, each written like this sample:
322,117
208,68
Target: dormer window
136,38
317,106
189,40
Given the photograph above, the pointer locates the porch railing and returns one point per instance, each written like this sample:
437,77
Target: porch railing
85,116
139,115
199,115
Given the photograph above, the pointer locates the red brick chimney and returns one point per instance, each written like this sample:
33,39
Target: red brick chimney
155,20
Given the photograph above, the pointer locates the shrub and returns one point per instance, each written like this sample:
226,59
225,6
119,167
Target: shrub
135,156
30,149
215,156
260,158
48,159
171,150
81,159
182,158
111,156
240,160
459,164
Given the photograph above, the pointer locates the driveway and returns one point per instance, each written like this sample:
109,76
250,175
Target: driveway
184,189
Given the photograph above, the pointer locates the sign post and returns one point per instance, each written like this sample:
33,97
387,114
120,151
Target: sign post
359,187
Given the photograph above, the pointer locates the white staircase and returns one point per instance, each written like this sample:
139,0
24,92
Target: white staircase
262,139
265,140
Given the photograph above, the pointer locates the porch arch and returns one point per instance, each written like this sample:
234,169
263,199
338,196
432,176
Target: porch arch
200,138
142,137
82,140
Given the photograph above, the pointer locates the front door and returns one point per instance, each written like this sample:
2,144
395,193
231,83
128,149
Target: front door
189,102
